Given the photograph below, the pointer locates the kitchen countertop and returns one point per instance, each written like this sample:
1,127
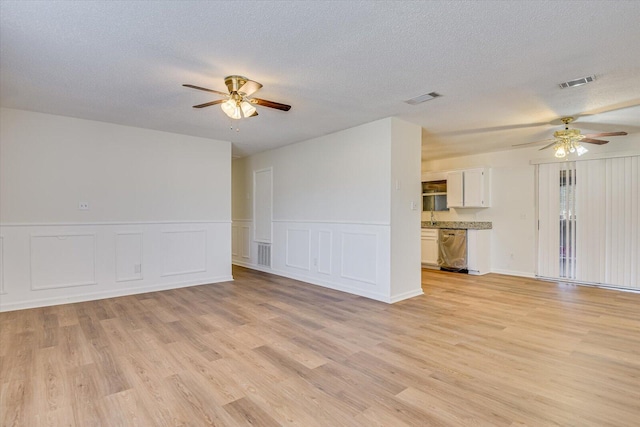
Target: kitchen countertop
460,225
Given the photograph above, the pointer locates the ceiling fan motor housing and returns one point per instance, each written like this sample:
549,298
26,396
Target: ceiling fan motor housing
570,134
234,83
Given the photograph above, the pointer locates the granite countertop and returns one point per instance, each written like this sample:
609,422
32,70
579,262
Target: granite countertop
461,225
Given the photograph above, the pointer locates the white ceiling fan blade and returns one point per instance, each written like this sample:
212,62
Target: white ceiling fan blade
533,143
547,146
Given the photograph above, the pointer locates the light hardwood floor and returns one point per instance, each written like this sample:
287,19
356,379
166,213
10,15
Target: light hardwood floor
266,351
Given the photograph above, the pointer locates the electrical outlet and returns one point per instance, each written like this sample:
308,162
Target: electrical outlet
83,206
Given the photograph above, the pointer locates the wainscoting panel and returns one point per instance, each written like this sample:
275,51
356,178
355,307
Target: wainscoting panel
1,265
62,260
325,239
298,249
243,251
185,252
246,242
129,256
348,257
235,240
61,263
359,252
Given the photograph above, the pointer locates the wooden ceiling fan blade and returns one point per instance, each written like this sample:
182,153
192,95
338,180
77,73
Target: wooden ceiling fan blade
206,90
271,104
597,135
249,88
594,141
208,104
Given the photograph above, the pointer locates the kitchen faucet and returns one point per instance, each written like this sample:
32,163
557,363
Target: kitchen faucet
433,219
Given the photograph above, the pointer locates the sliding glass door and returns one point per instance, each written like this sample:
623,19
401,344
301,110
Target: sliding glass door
589,221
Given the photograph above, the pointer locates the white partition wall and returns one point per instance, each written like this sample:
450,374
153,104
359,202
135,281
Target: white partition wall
338,203
158,212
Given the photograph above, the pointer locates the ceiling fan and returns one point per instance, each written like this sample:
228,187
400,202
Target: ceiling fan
237,102
569,140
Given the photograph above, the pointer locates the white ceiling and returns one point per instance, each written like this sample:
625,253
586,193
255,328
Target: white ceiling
339,64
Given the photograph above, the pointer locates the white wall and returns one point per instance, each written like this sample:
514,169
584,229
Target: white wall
50,163
406,149
332,207
159,209
339,177
513,204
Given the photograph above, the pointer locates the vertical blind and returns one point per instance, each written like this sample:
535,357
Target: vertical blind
589,221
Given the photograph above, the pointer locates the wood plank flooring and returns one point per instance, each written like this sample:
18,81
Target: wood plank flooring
268,351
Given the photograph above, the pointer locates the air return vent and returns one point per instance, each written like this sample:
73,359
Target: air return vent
264,254
577,82
422,98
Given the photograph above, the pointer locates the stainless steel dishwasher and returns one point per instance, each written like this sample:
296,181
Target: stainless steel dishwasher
452,250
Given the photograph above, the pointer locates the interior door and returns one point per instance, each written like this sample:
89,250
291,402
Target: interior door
262,205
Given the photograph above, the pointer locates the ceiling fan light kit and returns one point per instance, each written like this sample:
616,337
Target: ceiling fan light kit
238,103
568,140
564,147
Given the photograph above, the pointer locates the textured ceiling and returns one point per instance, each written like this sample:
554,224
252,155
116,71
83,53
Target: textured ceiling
339,64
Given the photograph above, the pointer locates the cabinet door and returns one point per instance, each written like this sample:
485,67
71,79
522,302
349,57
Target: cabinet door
455,191
430,247
478,251
474,188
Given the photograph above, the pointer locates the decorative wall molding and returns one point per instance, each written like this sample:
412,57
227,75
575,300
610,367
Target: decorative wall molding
62,260
294,221
325,251
30,254
184,252
364,271
298,249
246,242
235,240
2,292
76,224
123,253
359,255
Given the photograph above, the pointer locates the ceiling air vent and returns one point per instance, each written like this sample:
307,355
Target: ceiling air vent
422,98
577,82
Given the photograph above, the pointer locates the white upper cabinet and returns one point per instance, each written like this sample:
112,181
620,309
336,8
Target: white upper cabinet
469,188
455,189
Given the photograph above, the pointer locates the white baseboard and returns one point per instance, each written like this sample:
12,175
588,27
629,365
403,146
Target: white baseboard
253,266
335,286
109,294
332,285
406,295
526,274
